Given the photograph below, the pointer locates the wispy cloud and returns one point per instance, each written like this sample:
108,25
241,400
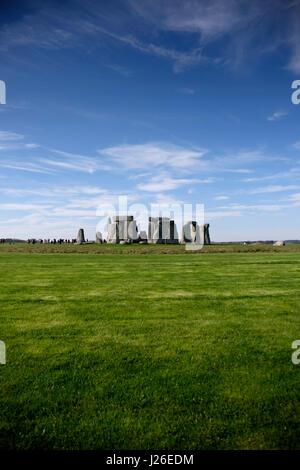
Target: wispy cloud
23,207
291,173
26,166
273,189
53,191
159,183
277,115
208,18
83,166
212,215
295,197
294,39
233,26
124,71
238,170
152,155
8,136
76,162
256,207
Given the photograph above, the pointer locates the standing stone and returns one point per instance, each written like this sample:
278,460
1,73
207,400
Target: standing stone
162,230
192,233
143,236
122,228
112,232
99,237
80,237
206,234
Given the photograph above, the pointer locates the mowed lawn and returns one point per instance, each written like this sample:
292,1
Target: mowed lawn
130,351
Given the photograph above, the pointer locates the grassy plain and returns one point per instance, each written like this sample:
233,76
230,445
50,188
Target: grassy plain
150,249
132,351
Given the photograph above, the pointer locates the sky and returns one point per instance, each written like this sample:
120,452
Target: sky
165,102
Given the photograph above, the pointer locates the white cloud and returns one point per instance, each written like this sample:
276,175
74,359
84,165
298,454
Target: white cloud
53,192
221,198
209,18
31,146
277,115
246,157
22,207
291,173
76,162
237,24
66,212
84,167
239,170
24,166
295,197
151,155
8,136
293,42
167,199
210,215
164,182
256,207
273,189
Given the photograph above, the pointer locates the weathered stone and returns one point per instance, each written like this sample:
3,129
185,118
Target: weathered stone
112,232
122,228
162,230
99,237
194,233
190,233
206,234
80,237
143,236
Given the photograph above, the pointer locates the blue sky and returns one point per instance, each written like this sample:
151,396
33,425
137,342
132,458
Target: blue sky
162,101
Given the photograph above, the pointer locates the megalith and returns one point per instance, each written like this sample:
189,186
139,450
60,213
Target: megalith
206,234
99,237
162,230
194,233
80,237
122,228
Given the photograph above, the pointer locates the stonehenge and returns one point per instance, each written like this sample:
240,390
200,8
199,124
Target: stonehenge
122,229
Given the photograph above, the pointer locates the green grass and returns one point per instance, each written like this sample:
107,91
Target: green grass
135,248
149,352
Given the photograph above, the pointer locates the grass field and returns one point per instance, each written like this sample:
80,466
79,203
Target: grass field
125,351
137,249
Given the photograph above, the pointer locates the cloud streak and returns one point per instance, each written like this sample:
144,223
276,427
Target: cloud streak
151,155
233,26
